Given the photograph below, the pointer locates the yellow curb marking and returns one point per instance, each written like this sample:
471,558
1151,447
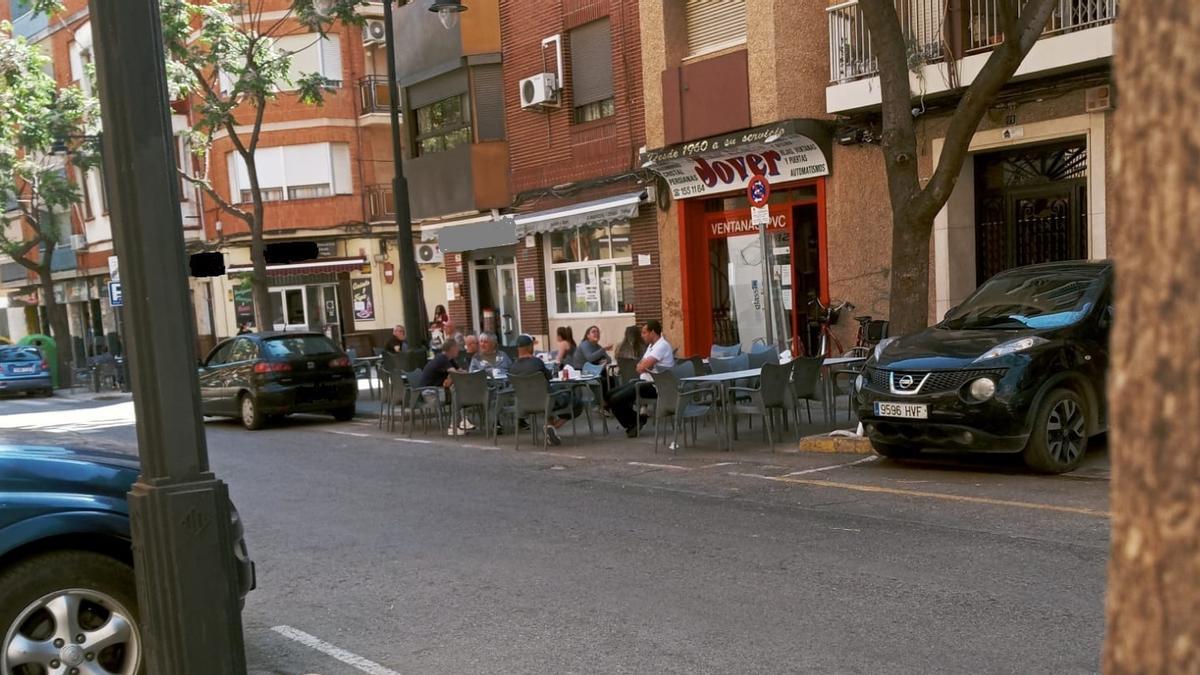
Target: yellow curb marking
1079,510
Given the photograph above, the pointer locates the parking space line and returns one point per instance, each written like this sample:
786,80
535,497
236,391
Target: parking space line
651,465
332,651
831,467
346,433
558,454
879,489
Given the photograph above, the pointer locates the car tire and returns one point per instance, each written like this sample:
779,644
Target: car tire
104,588
252,416
48,393
892,451
343,414
1059,438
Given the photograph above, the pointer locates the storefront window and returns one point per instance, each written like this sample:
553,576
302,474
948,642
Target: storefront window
592,270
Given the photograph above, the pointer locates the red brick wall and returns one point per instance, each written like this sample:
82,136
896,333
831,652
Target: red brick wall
531,264
457,272
646,280
547,148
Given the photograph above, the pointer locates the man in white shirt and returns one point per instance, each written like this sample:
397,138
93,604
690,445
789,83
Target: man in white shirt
659,356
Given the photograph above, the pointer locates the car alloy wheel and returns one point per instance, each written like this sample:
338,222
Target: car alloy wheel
1065,431
73,631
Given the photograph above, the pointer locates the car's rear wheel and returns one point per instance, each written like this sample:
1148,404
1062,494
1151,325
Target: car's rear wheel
1059,439
892,451
252,417
69,611
343,414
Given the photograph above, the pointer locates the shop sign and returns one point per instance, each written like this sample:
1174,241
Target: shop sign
787,159
73,290
23,298
738,223
243,302
363,299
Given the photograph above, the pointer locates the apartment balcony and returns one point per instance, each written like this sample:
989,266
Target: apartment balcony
374,100
381,205
1079,34
471,177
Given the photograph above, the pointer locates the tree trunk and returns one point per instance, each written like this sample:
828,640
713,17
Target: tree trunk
1154,570
909,298
259,285
60,328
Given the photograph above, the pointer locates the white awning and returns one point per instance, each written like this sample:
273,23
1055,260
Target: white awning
326,266
477,235
597,213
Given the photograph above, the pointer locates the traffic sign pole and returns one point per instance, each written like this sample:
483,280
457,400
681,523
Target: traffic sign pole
758,191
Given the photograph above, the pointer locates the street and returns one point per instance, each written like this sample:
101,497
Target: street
381,554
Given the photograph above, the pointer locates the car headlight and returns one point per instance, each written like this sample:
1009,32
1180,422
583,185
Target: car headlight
982,389
1012,347
883,345
858,382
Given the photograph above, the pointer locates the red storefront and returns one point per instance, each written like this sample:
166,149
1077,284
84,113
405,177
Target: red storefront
723,273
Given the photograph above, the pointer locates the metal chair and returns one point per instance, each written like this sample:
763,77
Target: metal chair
471,391
769,396
531,398
415,400
724,351
806,386
594,393
678,404
848,372
762,357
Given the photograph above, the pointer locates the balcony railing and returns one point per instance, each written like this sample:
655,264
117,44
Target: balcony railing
381,208
931,35
374,94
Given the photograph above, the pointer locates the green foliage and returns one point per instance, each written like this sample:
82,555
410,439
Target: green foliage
44,128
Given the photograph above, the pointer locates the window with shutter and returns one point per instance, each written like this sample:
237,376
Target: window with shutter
591,71
311,53
713,25
294,172
489,102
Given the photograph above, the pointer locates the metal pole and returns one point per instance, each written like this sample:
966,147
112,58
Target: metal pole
411,292
764,240
182,533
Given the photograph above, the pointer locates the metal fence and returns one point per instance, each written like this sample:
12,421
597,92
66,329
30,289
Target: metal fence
373,90
924,23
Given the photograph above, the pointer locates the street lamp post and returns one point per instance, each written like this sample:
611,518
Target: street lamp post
411,292
183,536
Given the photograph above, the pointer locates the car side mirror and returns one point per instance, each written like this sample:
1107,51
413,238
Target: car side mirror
1106,317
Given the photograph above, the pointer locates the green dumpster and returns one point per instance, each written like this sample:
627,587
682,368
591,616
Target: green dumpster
49,350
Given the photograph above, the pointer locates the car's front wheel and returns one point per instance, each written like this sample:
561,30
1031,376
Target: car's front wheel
69,611
892,451
343,414
1059,439
252,416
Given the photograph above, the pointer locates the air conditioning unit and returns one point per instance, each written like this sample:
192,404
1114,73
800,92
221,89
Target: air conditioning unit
539,91
374,32
78,242
429,254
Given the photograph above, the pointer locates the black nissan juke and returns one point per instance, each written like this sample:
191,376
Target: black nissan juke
1018,367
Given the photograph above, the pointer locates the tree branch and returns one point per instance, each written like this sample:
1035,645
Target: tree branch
216,197
997,71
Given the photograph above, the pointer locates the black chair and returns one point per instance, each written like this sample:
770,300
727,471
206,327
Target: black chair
698,363
847,374
806,386
761,358
531,398
418,399
471,392
511,351
772,394
591,393
678,404
627,370
413,359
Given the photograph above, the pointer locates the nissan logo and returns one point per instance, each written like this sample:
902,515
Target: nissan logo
906,381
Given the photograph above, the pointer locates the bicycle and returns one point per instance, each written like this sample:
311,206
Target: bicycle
826,316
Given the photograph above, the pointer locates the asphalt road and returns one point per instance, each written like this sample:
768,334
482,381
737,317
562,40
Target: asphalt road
381,555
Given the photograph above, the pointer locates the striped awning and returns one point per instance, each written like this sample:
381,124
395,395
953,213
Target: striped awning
321,266
596,213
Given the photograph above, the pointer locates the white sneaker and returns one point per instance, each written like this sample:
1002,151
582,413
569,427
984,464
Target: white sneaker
466,425
455,432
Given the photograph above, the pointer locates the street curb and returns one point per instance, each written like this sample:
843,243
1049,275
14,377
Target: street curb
841,445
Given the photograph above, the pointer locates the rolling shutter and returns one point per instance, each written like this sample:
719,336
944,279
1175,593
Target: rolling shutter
714,25
489,102
591,63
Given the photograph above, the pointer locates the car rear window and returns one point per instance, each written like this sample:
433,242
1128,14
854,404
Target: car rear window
12,354
1051,299
300,345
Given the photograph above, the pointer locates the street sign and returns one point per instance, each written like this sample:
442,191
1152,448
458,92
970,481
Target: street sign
114,270
115,297
760,216
758,191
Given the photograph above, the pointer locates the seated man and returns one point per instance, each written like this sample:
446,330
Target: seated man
528,364
490,356
398,342
659,357
470,349
437,374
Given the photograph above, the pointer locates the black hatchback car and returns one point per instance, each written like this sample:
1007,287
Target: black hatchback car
258,376
1018,367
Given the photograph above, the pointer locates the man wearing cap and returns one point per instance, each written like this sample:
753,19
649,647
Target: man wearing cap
528,364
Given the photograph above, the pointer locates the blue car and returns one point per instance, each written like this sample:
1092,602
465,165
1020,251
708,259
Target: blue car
24,370
67,597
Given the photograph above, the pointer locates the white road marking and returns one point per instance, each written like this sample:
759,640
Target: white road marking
479,447
713,466
349,658
831,467
346,433
412,440
651,465
557,454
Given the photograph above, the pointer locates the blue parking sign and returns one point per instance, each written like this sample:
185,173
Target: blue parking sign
115,297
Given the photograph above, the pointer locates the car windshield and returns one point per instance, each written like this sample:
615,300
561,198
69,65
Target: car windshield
1049,299
19,354
300,345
